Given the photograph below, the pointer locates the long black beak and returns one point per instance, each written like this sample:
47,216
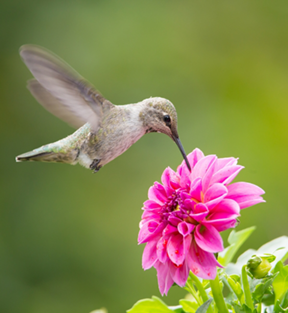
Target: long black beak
179,144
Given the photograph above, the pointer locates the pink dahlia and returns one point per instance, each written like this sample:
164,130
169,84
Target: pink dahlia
184,216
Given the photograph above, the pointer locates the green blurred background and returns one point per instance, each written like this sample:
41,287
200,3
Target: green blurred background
68,238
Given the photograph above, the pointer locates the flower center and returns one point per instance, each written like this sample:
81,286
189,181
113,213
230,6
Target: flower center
177,208
174,208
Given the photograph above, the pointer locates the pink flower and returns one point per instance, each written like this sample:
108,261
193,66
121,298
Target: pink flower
184,216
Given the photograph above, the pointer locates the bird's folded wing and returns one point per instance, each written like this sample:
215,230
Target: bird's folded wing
61,90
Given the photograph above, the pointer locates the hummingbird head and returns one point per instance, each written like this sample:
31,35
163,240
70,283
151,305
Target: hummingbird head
159,115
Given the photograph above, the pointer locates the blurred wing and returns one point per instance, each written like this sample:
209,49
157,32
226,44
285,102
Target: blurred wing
53,105
61,90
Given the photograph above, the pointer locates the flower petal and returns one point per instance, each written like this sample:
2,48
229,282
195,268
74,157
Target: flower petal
224,215
223,162
160,192
214,195
162,249
175,249
165,280
208,174
201,263
179,273
224,209
169,229
187,243
185,178
184,195
202,166
196,189
151,205
174,220
170,180
245,194
193,158
178,247
185,228
188,205
150,215
200,212
153,195
149,230
185,175
226,174
222,224
149,254
208,238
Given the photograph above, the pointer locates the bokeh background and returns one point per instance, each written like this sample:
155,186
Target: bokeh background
68,238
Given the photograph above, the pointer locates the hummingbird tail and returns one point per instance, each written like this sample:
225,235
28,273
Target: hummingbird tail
33,156
46,154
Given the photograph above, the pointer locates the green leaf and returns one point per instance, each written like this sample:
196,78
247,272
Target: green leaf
204,307
238,308
236,278
235,239
242,309
269,299
154,305
283,306
278,308
263,288
177,309
189,306
280,283
234,283
277,247
284,303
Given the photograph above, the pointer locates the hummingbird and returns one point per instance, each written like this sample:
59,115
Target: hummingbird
104,130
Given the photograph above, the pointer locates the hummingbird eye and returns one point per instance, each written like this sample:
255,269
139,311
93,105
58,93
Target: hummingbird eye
167,119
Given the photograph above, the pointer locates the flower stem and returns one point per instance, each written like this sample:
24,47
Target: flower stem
193,292
201,290
247,293
218,296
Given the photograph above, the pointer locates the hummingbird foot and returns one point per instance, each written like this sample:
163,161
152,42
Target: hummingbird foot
95,165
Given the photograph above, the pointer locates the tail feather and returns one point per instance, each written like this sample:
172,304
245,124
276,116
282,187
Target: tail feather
32,156
49,156
65,150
